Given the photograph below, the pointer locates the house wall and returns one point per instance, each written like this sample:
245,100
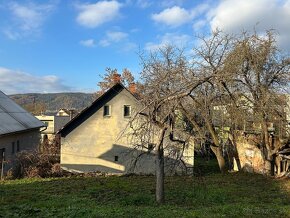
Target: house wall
54,123
28,140
94,145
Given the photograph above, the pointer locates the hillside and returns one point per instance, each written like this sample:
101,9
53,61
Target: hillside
35,102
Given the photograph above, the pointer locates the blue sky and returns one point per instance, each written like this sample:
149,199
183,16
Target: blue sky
62,45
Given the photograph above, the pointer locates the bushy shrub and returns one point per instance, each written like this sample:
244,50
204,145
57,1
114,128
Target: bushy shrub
32,164
39,163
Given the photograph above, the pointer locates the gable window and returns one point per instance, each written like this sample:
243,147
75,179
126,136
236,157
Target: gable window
13,148
116,158
107,110
127,110
17,146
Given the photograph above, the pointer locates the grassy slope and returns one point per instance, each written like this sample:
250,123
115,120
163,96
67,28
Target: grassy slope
212,195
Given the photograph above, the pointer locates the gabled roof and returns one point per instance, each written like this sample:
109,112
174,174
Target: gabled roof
94,107
14,118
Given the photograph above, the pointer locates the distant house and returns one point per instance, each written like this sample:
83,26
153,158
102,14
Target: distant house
94,140
71,113
19,130
54,122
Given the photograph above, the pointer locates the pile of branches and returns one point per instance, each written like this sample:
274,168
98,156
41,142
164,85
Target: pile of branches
31,164
43,162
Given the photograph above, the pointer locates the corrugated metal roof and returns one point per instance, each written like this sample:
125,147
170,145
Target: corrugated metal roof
14,118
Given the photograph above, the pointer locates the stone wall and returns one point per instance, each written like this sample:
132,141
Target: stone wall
250,157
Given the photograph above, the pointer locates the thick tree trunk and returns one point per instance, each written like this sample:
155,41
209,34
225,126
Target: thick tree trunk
220,158
233,138
216,149
160,169
267,151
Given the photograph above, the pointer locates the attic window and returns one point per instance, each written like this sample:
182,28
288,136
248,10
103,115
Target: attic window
116,158
107,110
127,110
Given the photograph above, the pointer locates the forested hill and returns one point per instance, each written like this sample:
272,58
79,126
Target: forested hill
35,102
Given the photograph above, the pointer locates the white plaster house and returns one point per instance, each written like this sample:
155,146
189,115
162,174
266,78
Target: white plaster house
19,130
53,123
95,140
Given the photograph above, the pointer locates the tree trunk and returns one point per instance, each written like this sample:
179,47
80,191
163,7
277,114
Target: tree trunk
160,170
216,149
160,176
233,138
220,158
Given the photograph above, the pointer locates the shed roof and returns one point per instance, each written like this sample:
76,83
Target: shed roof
14,118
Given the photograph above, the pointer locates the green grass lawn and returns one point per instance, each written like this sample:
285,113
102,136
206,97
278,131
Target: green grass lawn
210,195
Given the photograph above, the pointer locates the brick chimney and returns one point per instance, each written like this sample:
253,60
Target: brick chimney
132,88
116,78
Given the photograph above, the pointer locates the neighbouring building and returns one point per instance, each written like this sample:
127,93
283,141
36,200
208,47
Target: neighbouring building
53,122
95,140
19,131
71,113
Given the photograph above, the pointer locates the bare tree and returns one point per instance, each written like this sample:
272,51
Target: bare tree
167,80
259,74
248,77
228,79
200,105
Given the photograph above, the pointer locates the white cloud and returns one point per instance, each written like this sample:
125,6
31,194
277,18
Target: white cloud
88,43
199,24
177,16
26,19
174,16
236,15
113,37
169,3
14,81
144,3
94,15
130,46
116,36
169,39
104,43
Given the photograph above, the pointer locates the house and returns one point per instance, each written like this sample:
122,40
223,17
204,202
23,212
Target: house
53,122
95,140
64,112
19,130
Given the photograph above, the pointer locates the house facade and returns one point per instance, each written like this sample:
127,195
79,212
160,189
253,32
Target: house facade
98,138
19,131
53,123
